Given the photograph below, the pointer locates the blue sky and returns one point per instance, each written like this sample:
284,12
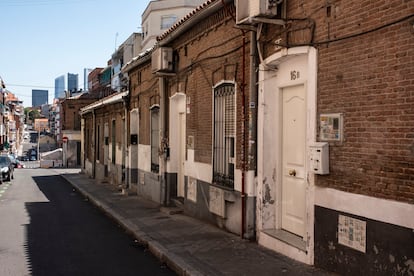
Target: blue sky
43,39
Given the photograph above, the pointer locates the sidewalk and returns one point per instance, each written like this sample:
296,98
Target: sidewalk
186,245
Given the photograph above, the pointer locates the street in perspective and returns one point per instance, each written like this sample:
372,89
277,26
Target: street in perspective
207,137
47,228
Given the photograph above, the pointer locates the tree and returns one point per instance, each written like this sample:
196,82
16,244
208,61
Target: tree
30,114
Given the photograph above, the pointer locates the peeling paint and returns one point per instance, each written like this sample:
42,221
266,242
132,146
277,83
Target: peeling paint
267,198
410,266
331,245
392,258
376,249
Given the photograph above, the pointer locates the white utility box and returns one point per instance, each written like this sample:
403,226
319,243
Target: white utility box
319,157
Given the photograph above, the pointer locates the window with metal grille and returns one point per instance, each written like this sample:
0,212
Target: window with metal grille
224,135
155,135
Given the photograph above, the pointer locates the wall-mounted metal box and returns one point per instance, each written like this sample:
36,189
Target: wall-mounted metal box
319,157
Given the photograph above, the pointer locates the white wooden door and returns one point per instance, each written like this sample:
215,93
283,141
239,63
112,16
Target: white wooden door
182,140
293,159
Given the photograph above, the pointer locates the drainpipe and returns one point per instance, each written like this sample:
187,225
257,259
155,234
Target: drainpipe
125,142
163,144
252,136
94,144
244,161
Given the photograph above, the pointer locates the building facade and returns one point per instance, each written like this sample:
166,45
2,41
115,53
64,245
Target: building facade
335,167
159,16
290,124
39,97
86,72
73,82
129,49
60,87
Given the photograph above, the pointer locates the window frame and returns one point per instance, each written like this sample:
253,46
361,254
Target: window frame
224,134
167,21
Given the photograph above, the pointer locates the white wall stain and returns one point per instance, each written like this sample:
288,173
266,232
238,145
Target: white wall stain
392,258
410,266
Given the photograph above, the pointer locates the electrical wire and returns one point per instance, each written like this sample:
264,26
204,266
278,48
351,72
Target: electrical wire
25,3
318,43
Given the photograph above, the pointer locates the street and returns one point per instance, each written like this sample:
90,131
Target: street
46,228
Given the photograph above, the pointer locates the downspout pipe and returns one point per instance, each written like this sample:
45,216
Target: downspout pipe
163,141
252,139
94,144
244,160
126,165
249,140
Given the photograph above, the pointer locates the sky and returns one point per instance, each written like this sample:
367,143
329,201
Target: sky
44,39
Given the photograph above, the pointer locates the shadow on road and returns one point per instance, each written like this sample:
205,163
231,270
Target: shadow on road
68,236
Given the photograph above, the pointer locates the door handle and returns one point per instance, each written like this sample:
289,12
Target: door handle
292,172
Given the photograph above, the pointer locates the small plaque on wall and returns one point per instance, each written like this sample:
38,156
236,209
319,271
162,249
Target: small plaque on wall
352,233
134,139
331,127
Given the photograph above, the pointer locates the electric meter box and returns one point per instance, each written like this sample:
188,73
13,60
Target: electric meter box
319,158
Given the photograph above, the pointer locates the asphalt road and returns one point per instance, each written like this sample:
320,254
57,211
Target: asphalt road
46,228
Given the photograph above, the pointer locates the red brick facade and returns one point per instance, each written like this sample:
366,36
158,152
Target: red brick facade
366,56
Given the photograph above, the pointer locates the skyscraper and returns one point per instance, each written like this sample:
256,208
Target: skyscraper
39,97
60,87
72,82
86,72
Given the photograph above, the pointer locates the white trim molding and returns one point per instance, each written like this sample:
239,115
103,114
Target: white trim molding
383,210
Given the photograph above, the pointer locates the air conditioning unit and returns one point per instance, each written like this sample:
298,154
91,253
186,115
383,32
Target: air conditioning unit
246,10
162,60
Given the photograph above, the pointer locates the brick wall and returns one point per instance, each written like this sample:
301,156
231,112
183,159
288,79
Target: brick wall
144,94
70,112
209,53
366,72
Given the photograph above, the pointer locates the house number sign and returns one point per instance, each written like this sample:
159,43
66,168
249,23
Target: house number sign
294,75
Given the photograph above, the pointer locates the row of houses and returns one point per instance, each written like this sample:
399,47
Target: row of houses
11,120
287,123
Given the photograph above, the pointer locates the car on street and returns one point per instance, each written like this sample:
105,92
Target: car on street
6,168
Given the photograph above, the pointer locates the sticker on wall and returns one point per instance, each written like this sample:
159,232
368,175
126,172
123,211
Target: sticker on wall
188,105
331,127
192,189
352,233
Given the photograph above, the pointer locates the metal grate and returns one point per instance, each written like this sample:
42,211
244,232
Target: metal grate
224,135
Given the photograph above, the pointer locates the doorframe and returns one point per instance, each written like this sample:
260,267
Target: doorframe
270,83
177,103
181,154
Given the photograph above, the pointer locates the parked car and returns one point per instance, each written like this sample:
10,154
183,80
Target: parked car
6,168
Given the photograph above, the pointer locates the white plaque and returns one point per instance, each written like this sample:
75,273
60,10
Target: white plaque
352,233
